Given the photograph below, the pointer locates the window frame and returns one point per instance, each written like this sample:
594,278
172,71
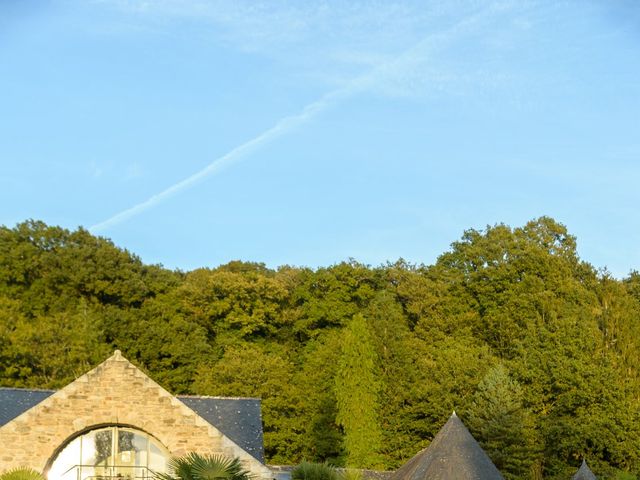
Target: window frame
110,462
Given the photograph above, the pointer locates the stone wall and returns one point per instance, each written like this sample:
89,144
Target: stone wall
114,393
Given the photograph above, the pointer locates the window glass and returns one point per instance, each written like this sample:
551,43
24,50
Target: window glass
141,446
63,467
96,447
109,453
96,454
131,459
157,459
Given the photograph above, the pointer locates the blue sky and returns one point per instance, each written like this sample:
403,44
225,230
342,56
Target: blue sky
196,132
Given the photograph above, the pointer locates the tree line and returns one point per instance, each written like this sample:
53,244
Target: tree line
537,351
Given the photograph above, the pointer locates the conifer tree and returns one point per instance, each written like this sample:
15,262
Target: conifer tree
357,394
502,425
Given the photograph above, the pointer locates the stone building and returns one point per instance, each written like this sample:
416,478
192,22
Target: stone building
115,421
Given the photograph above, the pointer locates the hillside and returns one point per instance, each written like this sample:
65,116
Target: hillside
535,349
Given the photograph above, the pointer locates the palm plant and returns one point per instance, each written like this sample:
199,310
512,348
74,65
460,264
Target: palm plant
194,466
21,473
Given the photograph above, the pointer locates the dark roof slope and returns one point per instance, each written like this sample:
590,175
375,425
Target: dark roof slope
584,472
14,401
237,418
452,455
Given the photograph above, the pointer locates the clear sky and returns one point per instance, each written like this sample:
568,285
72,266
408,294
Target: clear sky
195,132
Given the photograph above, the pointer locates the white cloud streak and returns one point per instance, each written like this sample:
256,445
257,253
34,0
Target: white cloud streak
389,72
282,127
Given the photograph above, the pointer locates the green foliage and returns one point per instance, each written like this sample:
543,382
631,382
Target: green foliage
320,434
250,370
194,466
355,365
46,266
357,394
167,343
51,351
624,476
398,354
21,473
233,302
330,297
505,429
323,471
350,474
314,471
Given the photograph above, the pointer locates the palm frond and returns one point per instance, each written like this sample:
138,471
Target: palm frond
194,466
21,473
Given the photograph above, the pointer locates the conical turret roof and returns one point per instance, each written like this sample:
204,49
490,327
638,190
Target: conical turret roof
453,455
584,472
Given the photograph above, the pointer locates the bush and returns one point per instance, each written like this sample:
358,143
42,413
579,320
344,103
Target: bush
625,476
350,474
314,471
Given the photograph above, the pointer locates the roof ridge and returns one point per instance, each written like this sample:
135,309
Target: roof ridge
217,397
50,390
25,389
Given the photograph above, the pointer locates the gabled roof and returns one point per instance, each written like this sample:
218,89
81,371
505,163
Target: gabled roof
237,418
452,455
584,472
115,392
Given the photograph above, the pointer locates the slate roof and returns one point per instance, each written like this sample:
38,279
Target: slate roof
584,472
237,418
452,455
14,401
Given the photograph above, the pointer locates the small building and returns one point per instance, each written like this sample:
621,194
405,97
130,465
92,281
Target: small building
115,422
452,455
584,472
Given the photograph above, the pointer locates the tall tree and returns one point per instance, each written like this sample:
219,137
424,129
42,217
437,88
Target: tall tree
357,393
503,426
397,352
315,378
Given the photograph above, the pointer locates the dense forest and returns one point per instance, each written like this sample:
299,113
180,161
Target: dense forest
537,351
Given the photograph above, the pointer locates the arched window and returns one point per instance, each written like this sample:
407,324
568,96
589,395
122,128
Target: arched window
109,453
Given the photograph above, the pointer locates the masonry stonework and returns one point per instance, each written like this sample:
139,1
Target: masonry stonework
114,393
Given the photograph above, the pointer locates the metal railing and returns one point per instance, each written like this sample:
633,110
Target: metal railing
121,472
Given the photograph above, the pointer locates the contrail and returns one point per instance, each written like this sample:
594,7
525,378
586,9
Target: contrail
289,123
280,128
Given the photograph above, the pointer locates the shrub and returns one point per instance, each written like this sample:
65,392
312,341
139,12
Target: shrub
314,471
